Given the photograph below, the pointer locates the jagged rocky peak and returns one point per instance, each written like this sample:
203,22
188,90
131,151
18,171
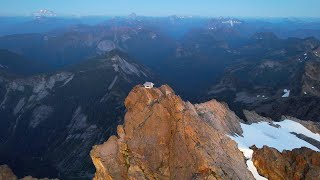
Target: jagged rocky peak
164,137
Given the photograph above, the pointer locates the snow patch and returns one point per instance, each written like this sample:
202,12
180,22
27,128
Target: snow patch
113,82
78,127
44,13
247,152
292,126
68,80
40,114
19,106
115,67
231,22
125,66
263,133
286,93
279,137
79,120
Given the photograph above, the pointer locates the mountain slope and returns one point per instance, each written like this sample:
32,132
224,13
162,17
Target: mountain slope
277,66
15,64
72,110
164,137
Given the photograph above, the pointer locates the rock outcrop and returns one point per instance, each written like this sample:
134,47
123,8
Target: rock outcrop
311,78
7,174
302,163
164,137
253,117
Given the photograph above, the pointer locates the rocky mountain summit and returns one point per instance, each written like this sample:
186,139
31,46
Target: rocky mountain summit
164,137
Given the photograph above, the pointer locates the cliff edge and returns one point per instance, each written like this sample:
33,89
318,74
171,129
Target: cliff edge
164,137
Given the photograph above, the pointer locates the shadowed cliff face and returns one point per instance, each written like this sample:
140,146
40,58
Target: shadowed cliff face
164,137
49,120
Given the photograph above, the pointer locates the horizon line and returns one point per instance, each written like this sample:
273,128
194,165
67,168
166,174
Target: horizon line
160,16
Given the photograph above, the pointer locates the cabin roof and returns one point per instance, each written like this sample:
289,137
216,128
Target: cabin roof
148,84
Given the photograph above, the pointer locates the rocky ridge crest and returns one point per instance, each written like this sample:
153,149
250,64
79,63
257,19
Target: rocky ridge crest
164,137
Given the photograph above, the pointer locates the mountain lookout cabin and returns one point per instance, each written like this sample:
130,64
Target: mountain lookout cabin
148,85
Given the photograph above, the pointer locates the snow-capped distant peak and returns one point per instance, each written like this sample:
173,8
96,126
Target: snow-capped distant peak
44,13
132,16
231,22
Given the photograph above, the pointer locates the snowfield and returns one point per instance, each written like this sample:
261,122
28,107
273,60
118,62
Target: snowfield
279,136
286,93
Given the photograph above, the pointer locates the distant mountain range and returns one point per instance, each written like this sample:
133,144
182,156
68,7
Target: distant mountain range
63,81
44,13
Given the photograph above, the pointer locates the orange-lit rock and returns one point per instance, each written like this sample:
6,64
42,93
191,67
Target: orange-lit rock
298,164
164,137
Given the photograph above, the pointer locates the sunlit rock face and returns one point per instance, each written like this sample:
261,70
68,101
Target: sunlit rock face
6,173
164,137
302,163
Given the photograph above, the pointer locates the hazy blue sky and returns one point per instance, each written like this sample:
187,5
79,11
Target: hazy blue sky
275,8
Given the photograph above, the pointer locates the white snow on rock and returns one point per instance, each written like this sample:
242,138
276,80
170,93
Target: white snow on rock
68,80
231,22
292,126
277,135
44,13
126,67
286,93
106,46
19,106
113,82
247,152
79,120
115,67
40,114
263,133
